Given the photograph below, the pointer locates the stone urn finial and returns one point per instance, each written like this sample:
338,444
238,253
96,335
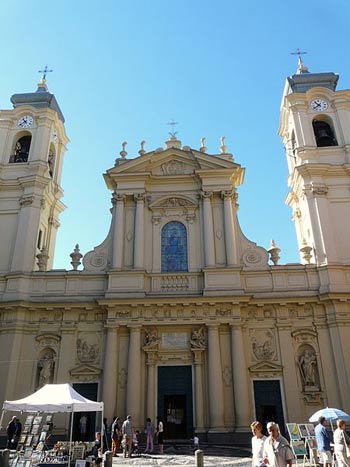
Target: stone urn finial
76,257
203,147
274,252
42,258
223,147
142,150
306,252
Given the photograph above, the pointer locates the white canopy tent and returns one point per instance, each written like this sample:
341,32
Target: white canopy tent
54,398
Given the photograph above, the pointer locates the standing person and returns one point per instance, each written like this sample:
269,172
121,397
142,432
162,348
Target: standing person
18,431
83,420
10,430
150,435
160,433
104,434
341,441
116,435
323,440
127,432
258,441
277,452
195,443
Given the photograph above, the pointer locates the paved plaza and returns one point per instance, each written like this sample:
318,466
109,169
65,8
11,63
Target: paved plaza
214,455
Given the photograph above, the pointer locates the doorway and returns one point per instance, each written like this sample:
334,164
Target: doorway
84,422
268,403
175,404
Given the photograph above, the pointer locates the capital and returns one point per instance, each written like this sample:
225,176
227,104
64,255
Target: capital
227,194
206,195
118,198
139,197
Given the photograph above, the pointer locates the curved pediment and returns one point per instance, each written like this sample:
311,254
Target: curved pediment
173,202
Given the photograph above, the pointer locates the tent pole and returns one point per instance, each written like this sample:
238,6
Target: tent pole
2,417
70,438
103,429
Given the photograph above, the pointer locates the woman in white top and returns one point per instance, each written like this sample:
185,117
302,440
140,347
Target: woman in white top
341,440
258,440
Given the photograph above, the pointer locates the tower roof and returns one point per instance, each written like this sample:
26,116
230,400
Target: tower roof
40,98
303,81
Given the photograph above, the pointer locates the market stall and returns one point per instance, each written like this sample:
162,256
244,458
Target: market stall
54,398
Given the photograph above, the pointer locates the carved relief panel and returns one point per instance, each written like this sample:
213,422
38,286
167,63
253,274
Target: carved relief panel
263,345
88,348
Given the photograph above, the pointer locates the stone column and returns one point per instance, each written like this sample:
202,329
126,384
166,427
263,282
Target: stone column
139,231
209,250
151,383
293,406
240,380
133,393
199,387
118,230
110,368
231,258
216,399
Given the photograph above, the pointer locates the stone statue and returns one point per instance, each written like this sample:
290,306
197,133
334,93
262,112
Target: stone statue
45,366
198,339
151,338
308,368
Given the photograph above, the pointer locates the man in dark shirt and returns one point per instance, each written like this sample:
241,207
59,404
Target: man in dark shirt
10,430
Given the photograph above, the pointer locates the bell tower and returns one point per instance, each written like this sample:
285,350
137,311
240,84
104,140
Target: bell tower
32,146
315,129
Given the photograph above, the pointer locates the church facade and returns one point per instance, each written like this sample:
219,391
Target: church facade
176,313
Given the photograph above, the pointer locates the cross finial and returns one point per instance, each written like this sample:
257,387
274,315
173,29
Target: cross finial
172,123
44,72
301,66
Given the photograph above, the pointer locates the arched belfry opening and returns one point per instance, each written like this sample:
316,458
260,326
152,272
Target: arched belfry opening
324,133
21,149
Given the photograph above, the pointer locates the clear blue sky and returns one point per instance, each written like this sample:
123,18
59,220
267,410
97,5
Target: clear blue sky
123,69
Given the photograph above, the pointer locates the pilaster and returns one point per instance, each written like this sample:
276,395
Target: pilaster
133,394
118,230
110,372
240,379
139,231
215,383
209,250
231,255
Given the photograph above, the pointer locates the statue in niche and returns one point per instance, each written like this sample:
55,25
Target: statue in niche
198,339
308,368
151,339
45,367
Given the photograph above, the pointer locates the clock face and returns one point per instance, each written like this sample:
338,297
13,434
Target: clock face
319,105
25,122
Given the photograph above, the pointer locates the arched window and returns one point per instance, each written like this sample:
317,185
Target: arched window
174,247
21,151
324,133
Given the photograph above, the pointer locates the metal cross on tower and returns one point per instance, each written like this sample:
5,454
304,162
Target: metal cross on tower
299,53
172,123
45,71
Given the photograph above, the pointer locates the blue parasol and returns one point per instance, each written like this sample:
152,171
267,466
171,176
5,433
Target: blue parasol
329,414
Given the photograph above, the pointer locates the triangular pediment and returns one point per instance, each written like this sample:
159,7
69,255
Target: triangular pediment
266,368
85,370
172,161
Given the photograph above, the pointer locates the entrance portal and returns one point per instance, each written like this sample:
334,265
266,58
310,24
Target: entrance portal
84,422
268,403
175,404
